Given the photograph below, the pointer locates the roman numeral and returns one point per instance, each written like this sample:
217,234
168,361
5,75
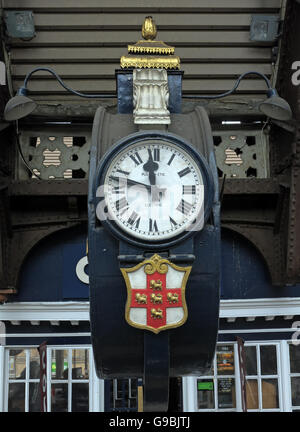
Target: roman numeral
184,172
123,172
156,155
136,158
189,190
173,223
152,225
171,159
184,207
133,219
121,204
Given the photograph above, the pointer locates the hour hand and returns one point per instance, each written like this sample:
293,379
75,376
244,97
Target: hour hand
150,166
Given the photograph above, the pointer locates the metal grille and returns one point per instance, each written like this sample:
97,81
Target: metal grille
242,153
59,156
239,154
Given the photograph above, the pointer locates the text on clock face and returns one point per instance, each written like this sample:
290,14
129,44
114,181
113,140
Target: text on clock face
154,189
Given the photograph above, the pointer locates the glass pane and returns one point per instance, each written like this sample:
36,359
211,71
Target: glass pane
80,364
270,393
59,397
295,382
80,397
59,364
205,390
17,364
225,360
16,397
34,371
34,397
132,388
251,362
268,360
121,393
226,393
252,394
295,358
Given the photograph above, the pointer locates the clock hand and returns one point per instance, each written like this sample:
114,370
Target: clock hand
130,182
150,167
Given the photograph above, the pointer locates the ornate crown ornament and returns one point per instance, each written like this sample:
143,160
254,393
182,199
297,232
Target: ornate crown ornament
163,55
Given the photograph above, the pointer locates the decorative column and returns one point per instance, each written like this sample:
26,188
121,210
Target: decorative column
150,60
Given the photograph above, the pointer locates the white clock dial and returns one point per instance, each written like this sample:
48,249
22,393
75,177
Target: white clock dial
154,190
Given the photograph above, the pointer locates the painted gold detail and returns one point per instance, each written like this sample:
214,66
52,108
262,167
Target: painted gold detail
157,313
156,285
141,298
150,62
151,47
156,264
156,298
172,298
149,30
154,54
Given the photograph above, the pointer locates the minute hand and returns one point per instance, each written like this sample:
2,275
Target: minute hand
130,182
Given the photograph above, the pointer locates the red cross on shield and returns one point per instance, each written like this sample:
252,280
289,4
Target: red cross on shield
156,294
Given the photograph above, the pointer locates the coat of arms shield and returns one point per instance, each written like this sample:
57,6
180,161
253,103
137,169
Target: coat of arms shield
156,294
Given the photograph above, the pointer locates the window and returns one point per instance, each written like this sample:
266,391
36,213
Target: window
220,390
123,395
262,377
23,380
70,379
294,352
216,391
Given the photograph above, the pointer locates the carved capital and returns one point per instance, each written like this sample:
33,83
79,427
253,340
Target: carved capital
150,96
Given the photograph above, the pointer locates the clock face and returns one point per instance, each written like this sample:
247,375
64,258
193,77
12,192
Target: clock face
154,190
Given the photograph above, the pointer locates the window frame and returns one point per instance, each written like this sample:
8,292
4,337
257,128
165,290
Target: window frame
27,380
259,377
190,397
216,377
292,375
96,385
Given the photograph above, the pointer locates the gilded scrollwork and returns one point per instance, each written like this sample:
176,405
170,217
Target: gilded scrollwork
156,264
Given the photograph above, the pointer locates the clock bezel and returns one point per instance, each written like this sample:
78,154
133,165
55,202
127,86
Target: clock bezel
169,138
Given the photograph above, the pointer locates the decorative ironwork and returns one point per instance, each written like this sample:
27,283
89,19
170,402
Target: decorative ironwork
242,153
58,156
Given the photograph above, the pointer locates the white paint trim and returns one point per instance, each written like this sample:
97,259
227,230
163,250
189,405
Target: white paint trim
285,377
45,311
2,380
260,307
260,330
38,335
237,376
189,393
79,311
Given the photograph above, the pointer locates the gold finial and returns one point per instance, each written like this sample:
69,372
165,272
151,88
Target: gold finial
149,31
151,52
